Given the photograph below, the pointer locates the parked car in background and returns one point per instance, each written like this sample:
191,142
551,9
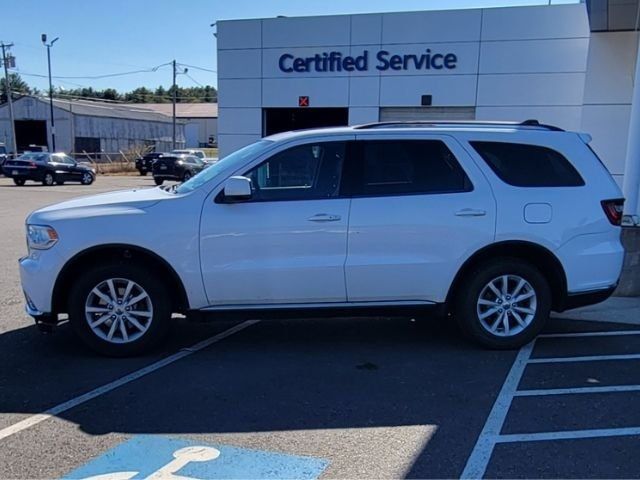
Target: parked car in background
144,164
197,153
48,168
176,167
32,148
3,153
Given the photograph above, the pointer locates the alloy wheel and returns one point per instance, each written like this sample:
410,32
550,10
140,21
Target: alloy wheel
506,305
118,310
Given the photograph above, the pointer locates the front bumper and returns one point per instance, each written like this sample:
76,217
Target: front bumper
38,273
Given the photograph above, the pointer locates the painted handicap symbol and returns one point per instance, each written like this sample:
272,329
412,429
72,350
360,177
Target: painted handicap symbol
157,457
181,458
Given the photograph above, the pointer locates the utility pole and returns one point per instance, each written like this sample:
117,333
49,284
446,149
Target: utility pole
7,87
174,96
53,124
174,104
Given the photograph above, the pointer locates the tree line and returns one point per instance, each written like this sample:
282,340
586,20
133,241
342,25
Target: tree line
199,94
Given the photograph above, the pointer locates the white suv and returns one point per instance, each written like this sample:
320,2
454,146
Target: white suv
495,224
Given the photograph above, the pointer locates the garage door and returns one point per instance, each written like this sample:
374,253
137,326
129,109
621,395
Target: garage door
403,114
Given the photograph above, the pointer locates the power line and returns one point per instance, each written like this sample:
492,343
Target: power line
193,80
97,77
198,68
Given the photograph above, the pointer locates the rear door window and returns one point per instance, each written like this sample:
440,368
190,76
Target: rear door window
406,167
525,165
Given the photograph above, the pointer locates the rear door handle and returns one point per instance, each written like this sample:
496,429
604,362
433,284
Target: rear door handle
471,212
324,217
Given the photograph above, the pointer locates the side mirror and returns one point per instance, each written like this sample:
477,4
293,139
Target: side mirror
237,189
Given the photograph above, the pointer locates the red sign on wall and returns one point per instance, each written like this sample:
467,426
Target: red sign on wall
303,101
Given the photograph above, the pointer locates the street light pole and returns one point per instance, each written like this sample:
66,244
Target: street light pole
53,123
174,106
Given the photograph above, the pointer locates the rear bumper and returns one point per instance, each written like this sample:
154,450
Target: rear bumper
582,299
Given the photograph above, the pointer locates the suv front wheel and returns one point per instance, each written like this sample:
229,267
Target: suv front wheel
503,304
119,310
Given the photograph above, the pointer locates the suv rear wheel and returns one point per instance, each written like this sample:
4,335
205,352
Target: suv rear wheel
119,310
159,181
503,304
19,181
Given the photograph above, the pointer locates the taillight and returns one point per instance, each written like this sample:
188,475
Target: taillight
32,165
613,210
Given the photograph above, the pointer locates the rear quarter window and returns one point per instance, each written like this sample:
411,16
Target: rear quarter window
525,165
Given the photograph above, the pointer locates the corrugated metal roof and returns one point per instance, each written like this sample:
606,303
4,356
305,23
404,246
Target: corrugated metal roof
183,110
106,109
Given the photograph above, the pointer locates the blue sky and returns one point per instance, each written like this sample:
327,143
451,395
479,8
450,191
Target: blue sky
98,38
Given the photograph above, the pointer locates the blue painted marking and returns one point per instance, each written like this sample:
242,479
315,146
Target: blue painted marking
148,455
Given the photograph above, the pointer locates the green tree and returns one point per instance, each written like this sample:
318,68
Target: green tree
18,87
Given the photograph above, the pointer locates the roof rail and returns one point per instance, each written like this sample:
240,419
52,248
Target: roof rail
532,123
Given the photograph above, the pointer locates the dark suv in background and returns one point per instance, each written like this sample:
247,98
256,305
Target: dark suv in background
48,168
176,167
144,164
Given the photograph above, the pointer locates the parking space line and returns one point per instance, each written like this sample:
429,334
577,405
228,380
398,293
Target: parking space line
483,449
571,391
591,358
74,402
567,435
590,334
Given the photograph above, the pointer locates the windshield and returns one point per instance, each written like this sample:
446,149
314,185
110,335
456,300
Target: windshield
232,161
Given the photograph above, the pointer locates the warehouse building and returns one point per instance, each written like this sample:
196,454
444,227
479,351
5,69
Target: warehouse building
88,126
568,65
200,121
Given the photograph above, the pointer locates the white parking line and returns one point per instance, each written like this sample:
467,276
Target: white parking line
481,454
571,391
74,402
568,435
590,334
591,358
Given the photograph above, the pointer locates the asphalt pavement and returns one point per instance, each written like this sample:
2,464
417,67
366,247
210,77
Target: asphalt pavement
309,398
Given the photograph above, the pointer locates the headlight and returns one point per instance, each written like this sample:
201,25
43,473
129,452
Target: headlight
41,237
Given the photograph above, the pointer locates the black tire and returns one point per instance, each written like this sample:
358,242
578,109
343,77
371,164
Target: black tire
19,181
143,173
49,179
158,295
187,175
159,181
87,178
470,289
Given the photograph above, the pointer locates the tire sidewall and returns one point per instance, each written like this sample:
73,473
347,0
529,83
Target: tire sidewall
148,281
91,179
466,304
48,175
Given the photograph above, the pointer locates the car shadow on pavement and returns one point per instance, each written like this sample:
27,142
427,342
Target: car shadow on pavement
299,375
275,376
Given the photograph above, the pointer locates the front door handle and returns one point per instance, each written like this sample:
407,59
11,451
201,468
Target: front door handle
324,217
471,212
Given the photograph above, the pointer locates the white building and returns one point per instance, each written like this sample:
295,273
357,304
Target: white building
200,121
567,65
